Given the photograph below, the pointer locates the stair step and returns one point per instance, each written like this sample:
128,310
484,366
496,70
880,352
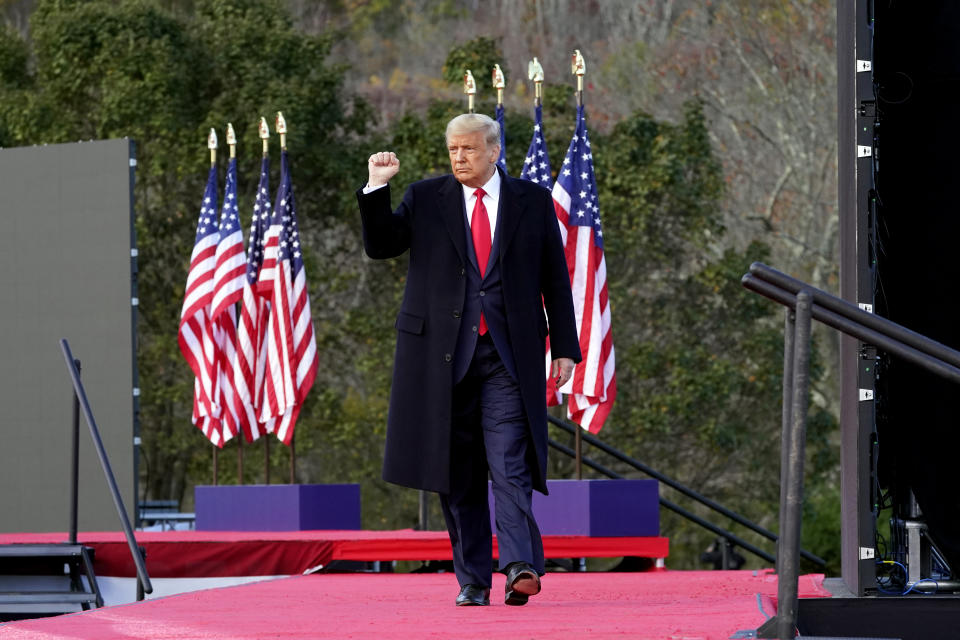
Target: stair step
41,550
47,597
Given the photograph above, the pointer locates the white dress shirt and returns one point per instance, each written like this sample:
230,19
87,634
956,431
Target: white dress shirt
491,200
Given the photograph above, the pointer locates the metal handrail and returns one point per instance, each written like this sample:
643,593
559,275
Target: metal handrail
690,493
853,321
840,307
81,395
809,304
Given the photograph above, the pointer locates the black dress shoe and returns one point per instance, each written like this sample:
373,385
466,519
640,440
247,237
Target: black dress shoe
522,582
472,595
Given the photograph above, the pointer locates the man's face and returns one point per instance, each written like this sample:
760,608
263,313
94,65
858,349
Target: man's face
472,161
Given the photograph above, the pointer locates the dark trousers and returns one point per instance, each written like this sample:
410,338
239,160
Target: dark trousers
489,437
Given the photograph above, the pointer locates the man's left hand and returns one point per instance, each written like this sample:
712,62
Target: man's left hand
561,370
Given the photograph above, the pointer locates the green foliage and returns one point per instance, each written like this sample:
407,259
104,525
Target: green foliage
698,359
479,55
106,69
13,60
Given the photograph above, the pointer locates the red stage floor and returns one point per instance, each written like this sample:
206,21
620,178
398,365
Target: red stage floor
181,554
664,605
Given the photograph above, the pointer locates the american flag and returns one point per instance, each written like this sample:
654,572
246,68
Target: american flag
502,160
536,168
249,366
196,332
593,386
228,289
291,347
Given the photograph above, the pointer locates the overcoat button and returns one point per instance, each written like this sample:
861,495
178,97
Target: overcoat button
474,327
447,357
462,271
482,294
456,313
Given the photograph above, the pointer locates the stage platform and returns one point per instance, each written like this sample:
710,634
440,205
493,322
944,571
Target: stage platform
201,554
658,605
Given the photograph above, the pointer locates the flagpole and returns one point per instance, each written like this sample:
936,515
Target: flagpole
282,130
265,140
266,464
578,67
498,83
469,88
232,143
265,136
212,145
535,73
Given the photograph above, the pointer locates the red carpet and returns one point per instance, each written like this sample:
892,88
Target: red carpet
666,605
179,554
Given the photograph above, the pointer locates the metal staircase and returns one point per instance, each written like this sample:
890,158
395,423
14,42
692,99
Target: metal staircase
39,580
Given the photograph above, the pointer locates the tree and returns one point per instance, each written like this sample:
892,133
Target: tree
699,359
103,69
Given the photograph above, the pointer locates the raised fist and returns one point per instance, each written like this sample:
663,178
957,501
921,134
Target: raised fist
381,167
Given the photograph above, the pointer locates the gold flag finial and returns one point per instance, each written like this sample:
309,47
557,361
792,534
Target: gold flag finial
232,140
578,67
469,88
498,83
535,73
282,129
212,145
264,134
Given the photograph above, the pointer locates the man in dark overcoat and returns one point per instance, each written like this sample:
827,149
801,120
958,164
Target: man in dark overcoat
468,394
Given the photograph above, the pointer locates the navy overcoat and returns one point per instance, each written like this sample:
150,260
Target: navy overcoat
430,223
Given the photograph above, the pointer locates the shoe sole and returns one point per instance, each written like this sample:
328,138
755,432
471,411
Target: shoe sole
526,583
470,603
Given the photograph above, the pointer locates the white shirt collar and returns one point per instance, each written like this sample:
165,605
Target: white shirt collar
491,200
491,187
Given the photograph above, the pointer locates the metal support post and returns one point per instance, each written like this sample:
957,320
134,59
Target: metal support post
783,626
240,458
81,395
266,460
293,461
578,448
789,329
75,464
424,511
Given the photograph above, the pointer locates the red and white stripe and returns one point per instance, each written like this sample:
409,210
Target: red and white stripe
229,279
196,337
277,395
291,351
250,331
593,387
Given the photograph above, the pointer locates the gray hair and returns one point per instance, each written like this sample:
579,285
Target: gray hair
467,123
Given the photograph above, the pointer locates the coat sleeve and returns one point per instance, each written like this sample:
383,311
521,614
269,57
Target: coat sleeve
386,234
555,285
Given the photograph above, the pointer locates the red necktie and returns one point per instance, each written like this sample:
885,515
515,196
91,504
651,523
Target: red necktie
480,230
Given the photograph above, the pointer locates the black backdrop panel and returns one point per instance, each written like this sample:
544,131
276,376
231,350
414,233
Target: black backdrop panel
65,272
917,75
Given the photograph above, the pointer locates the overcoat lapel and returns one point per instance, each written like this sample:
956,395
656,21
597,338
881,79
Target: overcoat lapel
511,208
450,203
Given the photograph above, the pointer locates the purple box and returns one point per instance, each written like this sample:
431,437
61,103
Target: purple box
277,507
600,508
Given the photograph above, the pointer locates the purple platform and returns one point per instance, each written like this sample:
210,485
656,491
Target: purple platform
602,508
277,507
